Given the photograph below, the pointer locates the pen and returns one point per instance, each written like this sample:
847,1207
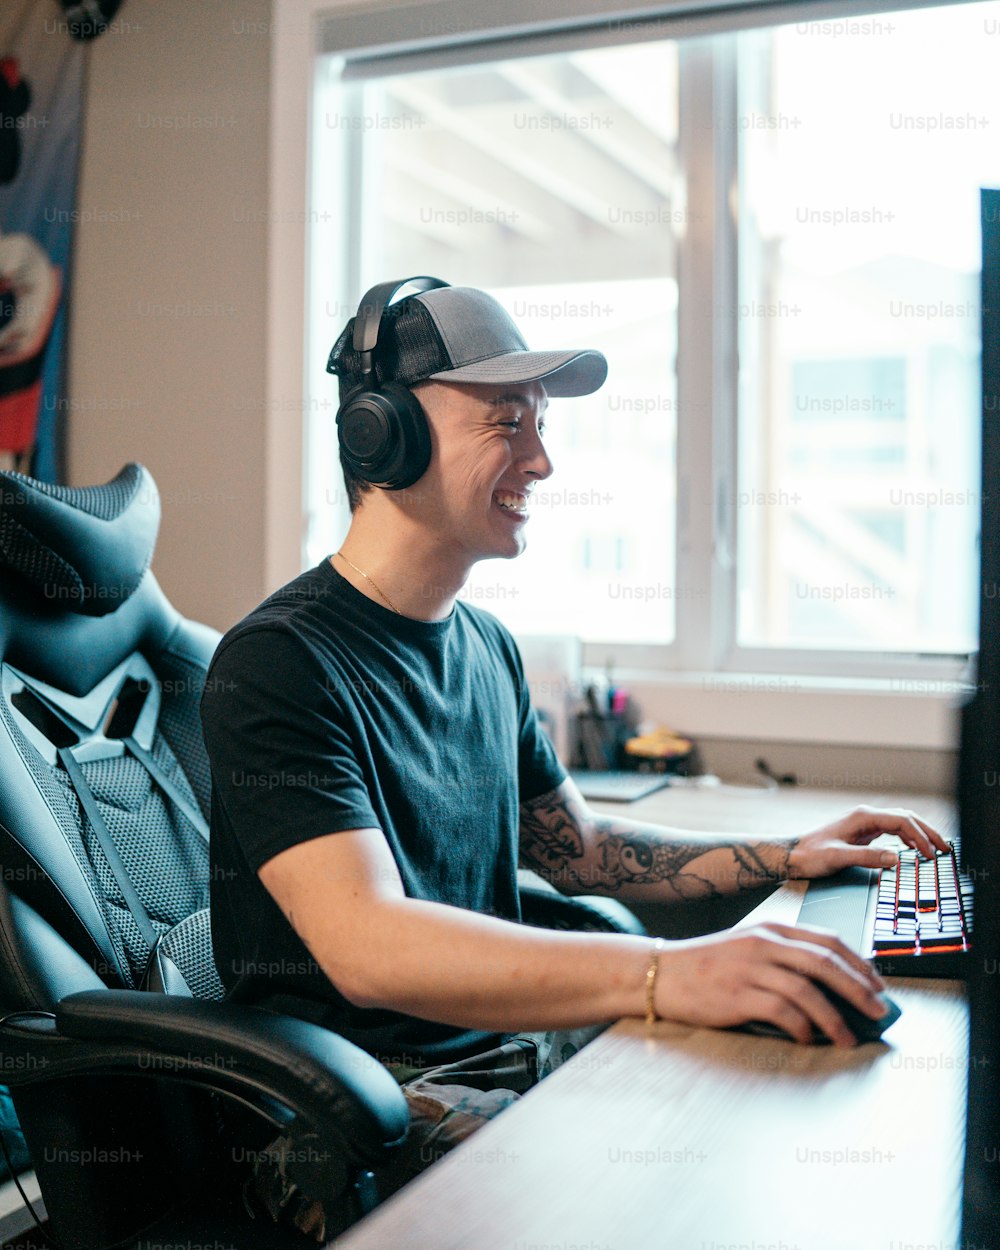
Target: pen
592,701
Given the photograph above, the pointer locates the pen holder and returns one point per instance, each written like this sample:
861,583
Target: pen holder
600,742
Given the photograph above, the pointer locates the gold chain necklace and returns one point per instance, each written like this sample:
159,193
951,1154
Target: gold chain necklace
380,593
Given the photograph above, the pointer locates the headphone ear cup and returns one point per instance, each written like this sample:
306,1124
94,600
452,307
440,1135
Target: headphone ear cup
414,441
383,436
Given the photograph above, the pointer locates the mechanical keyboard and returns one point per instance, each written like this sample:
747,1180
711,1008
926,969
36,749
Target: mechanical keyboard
913,920
923,906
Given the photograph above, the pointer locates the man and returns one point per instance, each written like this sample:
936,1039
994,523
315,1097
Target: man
379,772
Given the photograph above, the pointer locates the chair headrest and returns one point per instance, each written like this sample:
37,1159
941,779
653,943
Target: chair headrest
82,549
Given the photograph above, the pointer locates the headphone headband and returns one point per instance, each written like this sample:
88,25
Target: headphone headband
373,304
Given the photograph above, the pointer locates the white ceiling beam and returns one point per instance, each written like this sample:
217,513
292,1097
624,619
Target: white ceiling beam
620,141
465,191
478,131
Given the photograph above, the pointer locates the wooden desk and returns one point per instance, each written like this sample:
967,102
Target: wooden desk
698,1139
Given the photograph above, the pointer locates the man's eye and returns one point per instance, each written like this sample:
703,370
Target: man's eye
514,425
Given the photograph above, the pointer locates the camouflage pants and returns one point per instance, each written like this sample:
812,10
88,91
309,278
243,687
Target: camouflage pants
447,1103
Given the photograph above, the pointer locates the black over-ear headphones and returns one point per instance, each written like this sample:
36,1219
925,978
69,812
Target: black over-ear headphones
382,430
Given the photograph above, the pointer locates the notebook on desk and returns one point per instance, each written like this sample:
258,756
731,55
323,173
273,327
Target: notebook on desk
618,786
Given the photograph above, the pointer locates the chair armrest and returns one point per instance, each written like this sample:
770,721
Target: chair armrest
543,907
332,1087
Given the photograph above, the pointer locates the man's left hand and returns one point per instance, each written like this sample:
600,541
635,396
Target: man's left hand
846,841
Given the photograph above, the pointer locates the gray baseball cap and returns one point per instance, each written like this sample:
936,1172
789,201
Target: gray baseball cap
461,334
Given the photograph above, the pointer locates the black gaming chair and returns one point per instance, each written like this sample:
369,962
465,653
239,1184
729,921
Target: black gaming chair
127,1071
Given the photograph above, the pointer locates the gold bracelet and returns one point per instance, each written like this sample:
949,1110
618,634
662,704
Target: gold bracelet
651,974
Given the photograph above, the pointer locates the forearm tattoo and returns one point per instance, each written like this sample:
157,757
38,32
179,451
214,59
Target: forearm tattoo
622,853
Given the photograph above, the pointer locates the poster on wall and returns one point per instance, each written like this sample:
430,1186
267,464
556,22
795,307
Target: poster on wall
43,53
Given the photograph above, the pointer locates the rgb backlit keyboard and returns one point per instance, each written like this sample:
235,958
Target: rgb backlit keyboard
923,907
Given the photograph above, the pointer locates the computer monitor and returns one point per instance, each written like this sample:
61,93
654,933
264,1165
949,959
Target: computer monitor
979,791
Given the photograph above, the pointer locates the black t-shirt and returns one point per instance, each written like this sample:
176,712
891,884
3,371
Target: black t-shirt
324,711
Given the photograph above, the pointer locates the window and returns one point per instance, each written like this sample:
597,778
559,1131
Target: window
773,236
858,500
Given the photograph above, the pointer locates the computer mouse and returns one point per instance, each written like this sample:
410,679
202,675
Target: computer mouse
864,1028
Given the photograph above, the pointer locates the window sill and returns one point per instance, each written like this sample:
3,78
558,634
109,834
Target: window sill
894,712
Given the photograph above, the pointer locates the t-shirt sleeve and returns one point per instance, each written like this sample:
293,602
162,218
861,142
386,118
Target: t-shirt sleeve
283,766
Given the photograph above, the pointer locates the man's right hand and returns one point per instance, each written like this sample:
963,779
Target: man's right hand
766,972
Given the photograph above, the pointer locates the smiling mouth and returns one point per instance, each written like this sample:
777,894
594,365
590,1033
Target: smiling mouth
513,502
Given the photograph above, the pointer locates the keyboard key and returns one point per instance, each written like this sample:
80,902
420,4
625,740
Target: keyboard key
931,941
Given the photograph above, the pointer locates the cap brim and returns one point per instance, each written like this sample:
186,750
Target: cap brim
563,374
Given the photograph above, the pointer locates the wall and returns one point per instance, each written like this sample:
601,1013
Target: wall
168,337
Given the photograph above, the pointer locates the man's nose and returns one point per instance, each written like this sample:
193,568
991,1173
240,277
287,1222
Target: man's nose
535,458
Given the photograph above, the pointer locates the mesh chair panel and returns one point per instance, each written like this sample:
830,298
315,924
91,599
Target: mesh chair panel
189,945
180,723
62,803
23,553
165,857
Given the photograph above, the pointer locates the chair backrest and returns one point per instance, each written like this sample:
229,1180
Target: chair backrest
104,781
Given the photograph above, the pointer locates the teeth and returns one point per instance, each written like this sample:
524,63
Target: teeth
511,500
